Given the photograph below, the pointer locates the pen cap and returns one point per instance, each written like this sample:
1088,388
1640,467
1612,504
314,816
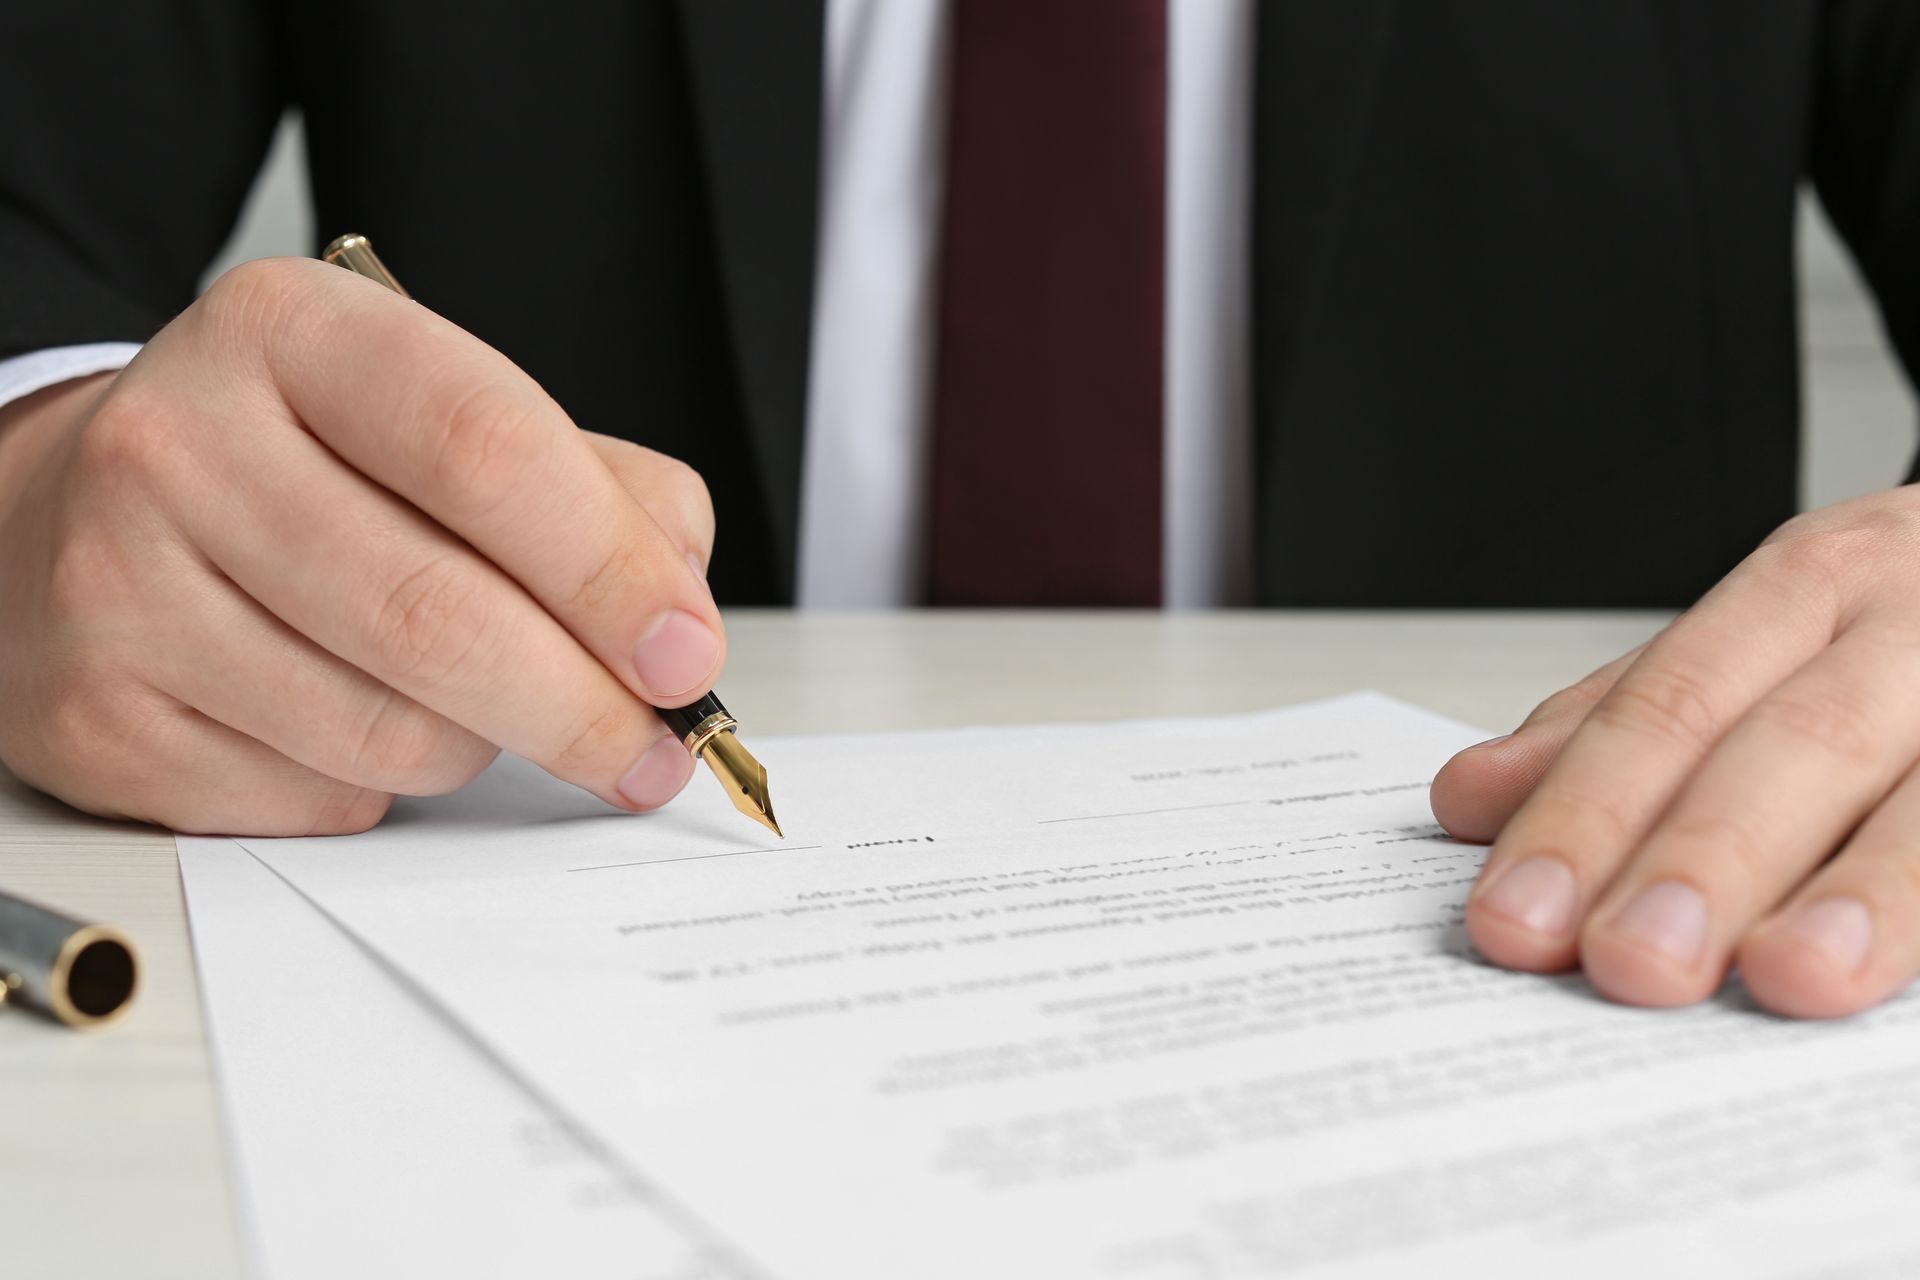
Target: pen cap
355,253
83,974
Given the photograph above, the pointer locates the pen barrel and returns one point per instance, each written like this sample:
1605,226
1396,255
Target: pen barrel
686,721
82,974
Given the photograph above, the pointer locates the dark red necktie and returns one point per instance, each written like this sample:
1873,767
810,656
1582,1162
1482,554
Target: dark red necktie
1047,396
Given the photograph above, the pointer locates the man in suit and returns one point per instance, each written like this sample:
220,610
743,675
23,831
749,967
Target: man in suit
1021,301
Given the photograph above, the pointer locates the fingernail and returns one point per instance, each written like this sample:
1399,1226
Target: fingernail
1670,917
658,776
675,655
1490,742
1839,928
1536,893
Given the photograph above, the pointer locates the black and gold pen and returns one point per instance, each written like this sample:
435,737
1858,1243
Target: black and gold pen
705,727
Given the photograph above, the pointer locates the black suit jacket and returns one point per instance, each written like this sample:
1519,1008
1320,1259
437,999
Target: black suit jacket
1523,269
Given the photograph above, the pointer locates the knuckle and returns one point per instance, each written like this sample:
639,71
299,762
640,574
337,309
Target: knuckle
1813,554
692,499
601,735
1902,873
679,479
1587,689
467,761
409,749
1816,560
629,462
1888,517
1743,857
1792,529
87,578
1669,702
606,580
274,280
486,441
255,296
668,487
343,809
1837,722
100,725
429,623
1584,692
1838,564
132,439
1577,699
91,740
1575,823
72,723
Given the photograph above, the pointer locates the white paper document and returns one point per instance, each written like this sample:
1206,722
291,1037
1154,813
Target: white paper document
1162,1000
369,1138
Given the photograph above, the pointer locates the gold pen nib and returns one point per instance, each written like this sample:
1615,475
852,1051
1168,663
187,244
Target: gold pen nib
743,777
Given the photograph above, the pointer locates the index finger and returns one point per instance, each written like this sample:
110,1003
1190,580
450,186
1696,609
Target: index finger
433,414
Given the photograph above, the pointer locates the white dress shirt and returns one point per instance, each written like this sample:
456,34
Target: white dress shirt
864,484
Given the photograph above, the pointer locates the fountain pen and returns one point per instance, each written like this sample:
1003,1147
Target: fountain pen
704,727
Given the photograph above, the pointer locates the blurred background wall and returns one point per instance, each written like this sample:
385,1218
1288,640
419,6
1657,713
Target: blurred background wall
1859,429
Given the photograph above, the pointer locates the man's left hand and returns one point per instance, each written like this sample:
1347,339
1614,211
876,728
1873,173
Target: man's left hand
1744,788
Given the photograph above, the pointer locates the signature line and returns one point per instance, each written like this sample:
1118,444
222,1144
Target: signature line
1137,813
698,857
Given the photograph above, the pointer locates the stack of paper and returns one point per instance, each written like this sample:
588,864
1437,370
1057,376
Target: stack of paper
1164,999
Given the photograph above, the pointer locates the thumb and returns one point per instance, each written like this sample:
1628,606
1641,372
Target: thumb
1475,793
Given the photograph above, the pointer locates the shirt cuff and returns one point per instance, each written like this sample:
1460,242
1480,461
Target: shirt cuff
21,376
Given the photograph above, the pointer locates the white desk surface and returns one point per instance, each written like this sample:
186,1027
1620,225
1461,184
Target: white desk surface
111,1160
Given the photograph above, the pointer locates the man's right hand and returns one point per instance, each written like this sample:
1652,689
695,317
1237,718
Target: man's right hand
316,547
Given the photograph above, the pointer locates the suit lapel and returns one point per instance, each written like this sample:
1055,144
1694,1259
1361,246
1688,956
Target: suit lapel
756,69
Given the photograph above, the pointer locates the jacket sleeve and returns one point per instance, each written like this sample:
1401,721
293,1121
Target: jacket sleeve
130,131
1864,153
